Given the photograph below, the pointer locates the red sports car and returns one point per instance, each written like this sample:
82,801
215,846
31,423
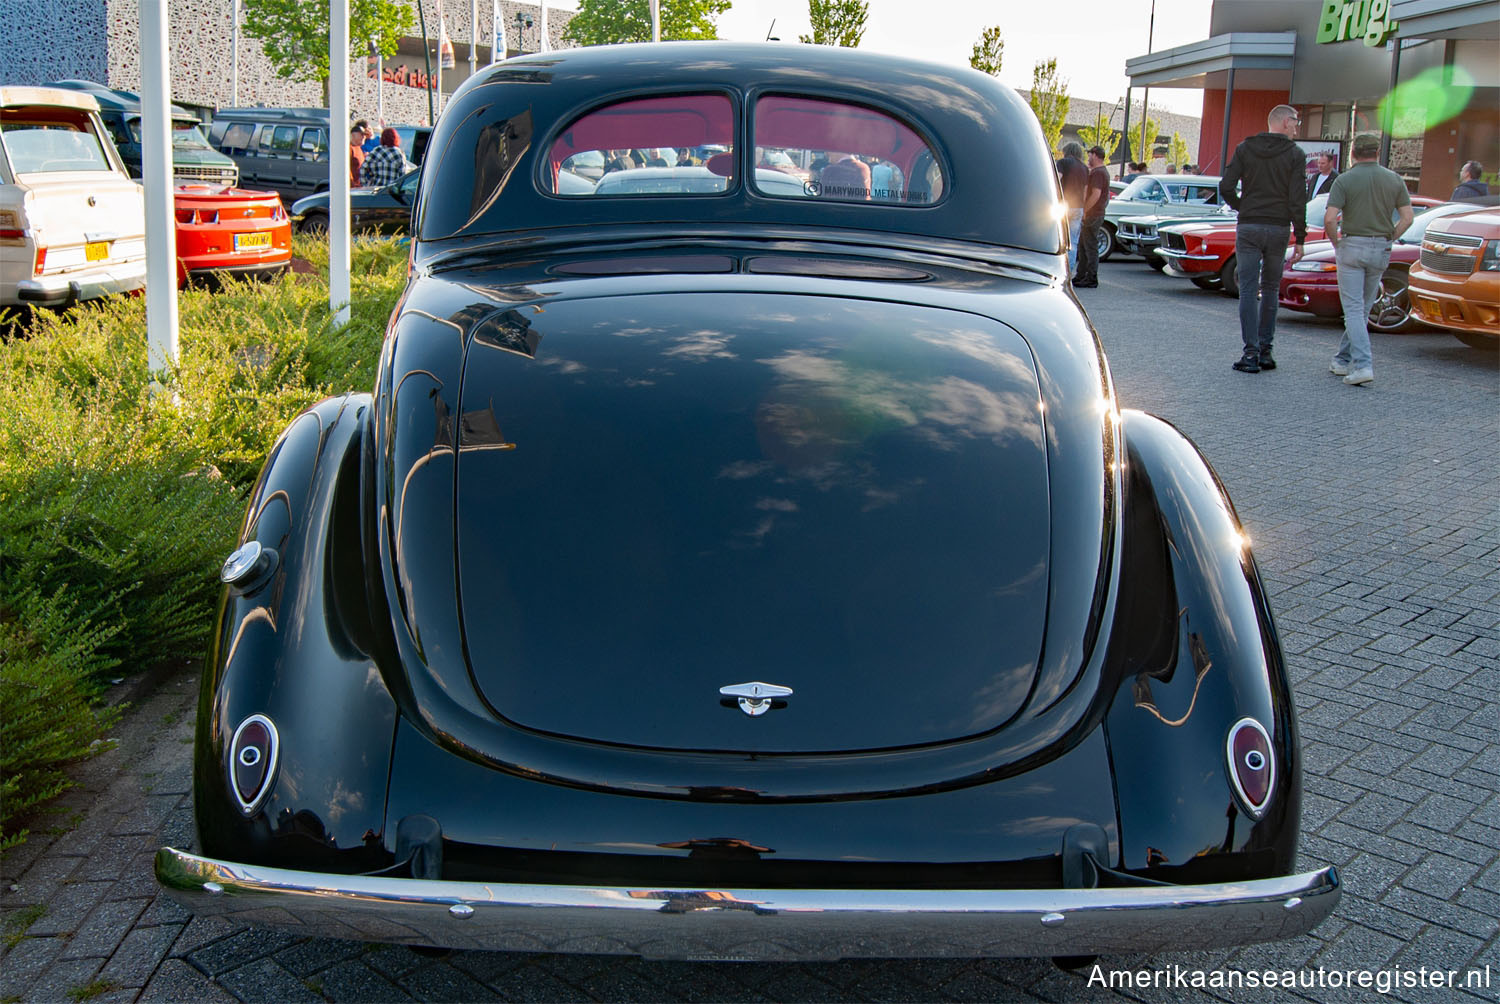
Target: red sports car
1311,285
1204,252
230,230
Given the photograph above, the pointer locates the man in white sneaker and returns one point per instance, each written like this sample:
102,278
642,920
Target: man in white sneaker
1368,208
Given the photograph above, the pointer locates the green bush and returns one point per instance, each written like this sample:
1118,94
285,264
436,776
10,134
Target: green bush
117,503
48,720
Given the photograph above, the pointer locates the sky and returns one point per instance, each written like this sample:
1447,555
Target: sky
1090,38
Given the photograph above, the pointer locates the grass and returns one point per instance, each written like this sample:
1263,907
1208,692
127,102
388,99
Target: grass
17,921
117,504
92,989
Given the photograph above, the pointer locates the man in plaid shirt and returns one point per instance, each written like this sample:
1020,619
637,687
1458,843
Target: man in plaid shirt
385,164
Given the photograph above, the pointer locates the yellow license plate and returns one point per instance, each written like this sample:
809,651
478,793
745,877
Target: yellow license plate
246,242
96,251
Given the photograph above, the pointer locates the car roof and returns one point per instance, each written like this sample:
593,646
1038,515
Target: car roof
977,128
289,115
111,99
1198,178
11,97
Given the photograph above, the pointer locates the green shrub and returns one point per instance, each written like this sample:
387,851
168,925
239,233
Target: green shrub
117,504
47,719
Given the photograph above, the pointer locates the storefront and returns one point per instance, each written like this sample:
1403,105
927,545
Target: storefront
1423,74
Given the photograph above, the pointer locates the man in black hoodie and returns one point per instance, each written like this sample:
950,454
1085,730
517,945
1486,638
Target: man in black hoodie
1272,173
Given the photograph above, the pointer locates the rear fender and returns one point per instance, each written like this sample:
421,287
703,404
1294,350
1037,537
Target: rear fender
1193,651
294,646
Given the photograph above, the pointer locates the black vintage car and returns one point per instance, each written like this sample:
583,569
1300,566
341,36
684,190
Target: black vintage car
741,569
384,210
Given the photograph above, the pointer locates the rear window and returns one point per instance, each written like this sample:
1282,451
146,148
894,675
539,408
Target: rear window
841,152
678,145
51,139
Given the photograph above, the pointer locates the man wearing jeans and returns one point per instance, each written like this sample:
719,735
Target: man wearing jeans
1369,198
1074,178
1272,173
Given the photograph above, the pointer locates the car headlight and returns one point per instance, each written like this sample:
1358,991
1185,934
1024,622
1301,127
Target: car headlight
1314,266
1490,260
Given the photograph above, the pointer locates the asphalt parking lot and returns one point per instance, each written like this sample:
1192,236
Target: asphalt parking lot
1375,518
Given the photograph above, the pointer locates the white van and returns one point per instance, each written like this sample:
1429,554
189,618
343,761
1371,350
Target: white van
72,223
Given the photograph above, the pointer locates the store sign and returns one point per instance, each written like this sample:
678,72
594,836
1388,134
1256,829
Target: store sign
1345,20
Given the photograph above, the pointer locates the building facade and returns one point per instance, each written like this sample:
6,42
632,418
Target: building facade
99,40
1424,74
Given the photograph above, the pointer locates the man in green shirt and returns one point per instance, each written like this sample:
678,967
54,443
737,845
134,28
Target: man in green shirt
1375,210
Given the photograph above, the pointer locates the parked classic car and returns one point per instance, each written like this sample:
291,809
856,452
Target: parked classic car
1204,251
385,210
1140,235
229,231
1311,285
193,159
1456,281
1184,195
72,223
750,573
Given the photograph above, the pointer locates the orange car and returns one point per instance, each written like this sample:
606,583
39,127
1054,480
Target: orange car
1456,282
230,230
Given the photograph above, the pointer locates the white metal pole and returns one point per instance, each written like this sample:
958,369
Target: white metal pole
497,33
338,167
656,20
156,176
380,89
546,42
473,37
234,53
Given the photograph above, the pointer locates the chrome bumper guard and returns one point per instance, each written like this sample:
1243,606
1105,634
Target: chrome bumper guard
1172,253
752,924
67,288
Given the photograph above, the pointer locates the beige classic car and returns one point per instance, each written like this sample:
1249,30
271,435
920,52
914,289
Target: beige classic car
72,223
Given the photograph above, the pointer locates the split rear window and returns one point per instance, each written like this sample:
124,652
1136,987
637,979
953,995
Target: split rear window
684,145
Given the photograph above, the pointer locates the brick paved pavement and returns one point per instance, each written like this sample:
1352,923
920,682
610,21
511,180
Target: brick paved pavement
1373,514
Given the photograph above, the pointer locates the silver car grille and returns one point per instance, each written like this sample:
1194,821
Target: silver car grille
226,174
1448,264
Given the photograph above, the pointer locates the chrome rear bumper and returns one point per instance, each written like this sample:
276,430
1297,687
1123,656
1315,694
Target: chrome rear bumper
753,924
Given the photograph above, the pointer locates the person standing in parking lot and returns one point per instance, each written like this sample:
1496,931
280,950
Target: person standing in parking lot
386,164
1271,170
356,153
1470,185
1375,210
1074,178
1096,194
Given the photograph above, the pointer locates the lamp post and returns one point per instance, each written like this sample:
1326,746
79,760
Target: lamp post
1146,96
234,53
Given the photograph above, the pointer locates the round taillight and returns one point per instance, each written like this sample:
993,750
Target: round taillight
1252,765
252,762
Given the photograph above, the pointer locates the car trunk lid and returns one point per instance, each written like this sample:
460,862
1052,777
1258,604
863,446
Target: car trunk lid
661,496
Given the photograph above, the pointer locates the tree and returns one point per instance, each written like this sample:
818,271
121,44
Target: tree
608,22
988,52
1177,151
836,22
1143,136
294,33
1049,100
1100,134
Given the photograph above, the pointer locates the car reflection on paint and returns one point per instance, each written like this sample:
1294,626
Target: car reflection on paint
766,551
